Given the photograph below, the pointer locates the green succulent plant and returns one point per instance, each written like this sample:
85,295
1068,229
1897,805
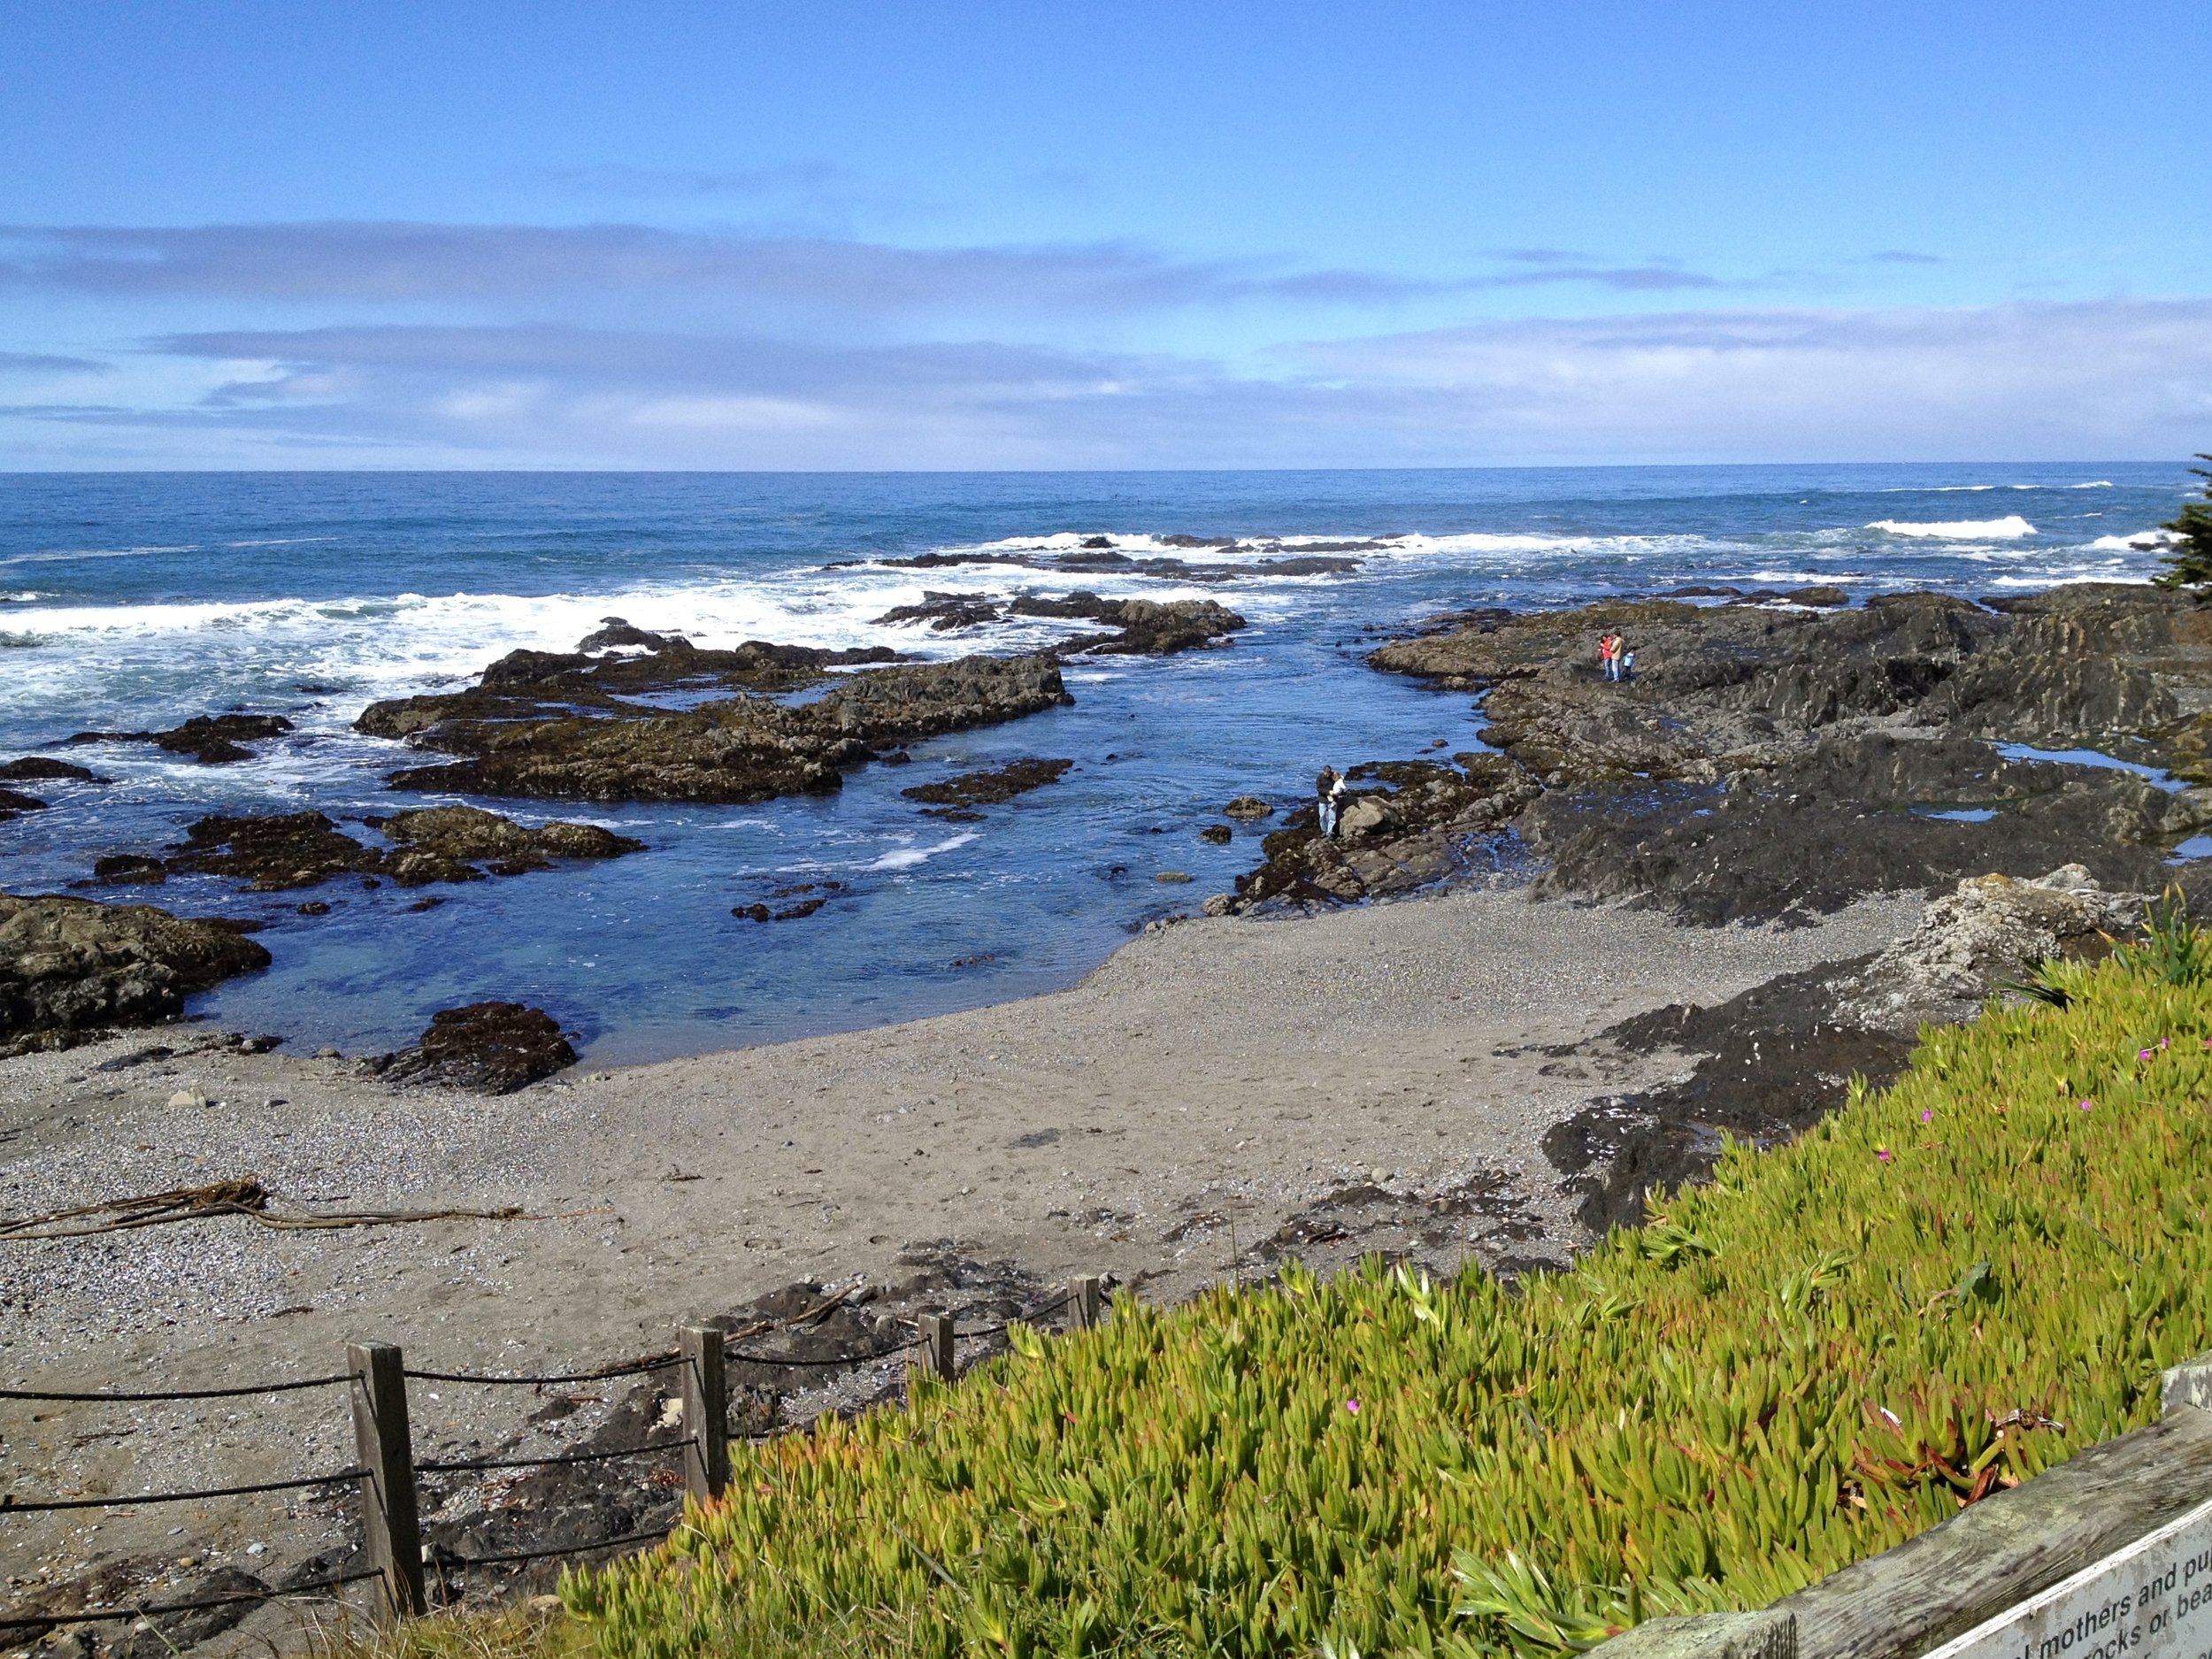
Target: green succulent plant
1941,1290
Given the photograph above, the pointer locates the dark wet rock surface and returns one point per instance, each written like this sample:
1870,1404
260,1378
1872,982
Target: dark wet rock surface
14,803
1410,824
1856,815
490,1047
213,740
1767,761
1100,557
1143,627
70,968
990,787
39,769
284,852
1769,1063
793,903
571,725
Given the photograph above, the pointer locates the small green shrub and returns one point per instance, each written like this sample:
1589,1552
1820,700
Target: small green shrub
1941,1290
2190,563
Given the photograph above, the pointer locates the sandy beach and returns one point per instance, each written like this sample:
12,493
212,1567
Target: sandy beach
1375,1078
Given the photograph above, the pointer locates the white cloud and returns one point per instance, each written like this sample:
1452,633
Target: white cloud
2026,381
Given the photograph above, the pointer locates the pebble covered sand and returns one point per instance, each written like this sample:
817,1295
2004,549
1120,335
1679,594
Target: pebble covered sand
1213,1080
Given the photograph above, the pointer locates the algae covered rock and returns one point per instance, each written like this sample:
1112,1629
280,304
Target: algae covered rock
488,1048
71,967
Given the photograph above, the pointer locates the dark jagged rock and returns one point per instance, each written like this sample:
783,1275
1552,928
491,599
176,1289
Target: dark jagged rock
486,1047
1146,627
39,769
1249,807
990,788
274,853
1765,761
1098,557
445,843
211,740
1772,1061
14,803
1854,815
129,869
1420,828
614,633
71,967
946,613
280,853
573,738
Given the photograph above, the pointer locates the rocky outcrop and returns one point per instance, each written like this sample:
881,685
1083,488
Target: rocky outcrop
40,768
70,968
1990,933
1767,760
1099,557
972,789
282,852
211,740
447,843
563,726
1859,812
1143,627
274,853
14,803
485,1047
1416,824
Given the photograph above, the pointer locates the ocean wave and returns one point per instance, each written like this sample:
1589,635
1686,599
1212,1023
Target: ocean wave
69,555
1976,489
2009,528
907,858
2142,541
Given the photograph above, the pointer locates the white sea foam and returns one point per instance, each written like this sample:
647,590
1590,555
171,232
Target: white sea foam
2142,541
2009,528
66,555
907,858
1975,489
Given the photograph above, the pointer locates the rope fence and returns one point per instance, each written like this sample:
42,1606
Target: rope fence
101,1616
388,1475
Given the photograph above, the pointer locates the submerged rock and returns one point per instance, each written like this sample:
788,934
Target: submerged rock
211,740
488,1048
14,803
72,967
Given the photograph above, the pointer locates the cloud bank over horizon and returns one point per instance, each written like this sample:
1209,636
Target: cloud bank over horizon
624,346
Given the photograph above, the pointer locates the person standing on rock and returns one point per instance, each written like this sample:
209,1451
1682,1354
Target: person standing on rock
1325,789
1605,654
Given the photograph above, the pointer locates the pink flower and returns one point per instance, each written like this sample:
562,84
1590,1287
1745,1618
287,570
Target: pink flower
2165,1042
1927,1116
1882,1153
2142,1054
2086,1105
1352,1406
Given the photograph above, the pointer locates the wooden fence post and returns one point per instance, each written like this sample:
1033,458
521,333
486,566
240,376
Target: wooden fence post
1083,1302
390,1524
706,1413
935,1330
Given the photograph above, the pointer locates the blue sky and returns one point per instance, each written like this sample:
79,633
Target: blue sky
842,235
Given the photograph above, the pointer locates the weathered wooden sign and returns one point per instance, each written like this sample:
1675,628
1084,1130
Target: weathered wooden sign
2150,1599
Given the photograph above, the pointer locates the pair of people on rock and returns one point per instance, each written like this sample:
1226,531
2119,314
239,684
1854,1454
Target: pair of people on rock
1331,792
1615,657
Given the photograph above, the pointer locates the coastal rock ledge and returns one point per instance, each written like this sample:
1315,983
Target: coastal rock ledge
70,968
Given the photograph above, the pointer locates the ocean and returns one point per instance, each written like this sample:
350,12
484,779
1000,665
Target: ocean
136,601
